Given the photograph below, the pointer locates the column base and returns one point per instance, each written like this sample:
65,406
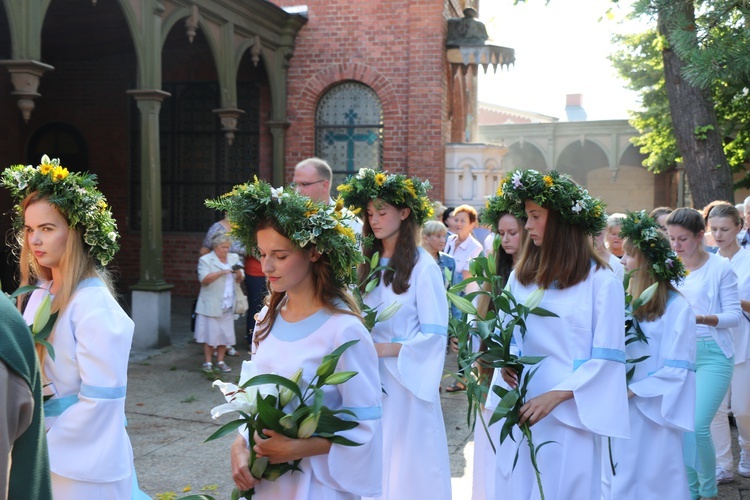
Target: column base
151,314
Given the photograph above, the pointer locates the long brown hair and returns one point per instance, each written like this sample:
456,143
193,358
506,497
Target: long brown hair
503,267
75,265
640,279
564,257
402,261
325,290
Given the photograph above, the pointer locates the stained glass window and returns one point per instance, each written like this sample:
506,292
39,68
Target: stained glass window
349,129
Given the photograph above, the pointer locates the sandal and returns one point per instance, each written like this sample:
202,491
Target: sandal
222,366
208,368
457,387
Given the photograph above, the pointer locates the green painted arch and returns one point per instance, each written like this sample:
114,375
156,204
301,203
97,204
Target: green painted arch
168,23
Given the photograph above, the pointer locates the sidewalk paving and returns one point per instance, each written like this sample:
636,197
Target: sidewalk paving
168,411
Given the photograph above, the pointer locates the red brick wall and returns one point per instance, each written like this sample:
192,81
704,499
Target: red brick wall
395,47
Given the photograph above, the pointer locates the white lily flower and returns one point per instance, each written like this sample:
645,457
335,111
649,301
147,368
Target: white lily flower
534,298
42,315
276,193
238,399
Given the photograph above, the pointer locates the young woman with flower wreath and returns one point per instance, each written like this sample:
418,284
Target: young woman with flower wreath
577,394
661,390
726,223
411,344
711,288
511,232
66,235
308,253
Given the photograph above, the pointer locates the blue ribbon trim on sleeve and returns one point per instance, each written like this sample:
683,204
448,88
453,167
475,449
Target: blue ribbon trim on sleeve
680,363
604,353
363,413
608,354
56,406
436,329
92,391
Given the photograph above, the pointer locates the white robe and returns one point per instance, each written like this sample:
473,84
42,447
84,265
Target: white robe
85,418
585,354
661,410
346,472
416,463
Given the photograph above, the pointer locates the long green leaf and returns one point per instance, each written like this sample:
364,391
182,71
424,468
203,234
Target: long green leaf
271,379
226,429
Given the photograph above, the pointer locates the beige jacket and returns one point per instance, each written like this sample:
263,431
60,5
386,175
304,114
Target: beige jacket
212,295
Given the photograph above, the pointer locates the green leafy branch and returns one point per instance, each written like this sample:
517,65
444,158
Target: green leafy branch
495,328
44,319
370,314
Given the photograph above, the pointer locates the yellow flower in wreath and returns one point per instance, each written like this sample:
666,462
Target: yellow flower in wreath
547,180
380,178
59,173
346,231
46,168
409,186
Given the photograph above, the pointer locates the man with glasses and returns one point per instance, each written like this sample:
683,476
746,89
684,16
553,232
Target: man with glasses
313,177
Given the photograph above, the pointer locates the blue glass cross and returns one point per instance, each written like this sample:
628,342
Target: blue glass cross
350,137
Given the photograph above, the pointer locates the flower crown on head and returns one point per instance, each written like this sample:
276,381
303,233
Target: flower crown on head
551,190
74,194
396,189
303,221
642,231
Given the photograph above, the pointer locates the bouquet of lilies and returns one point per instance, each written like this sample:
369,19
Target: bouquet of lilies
496,329
269,401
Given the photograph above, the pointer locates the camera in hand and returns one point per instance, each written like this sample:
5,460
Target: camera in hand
237,267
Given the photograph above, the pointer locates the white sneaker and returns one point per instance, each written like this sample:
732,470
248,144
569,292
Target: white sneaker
744,468
723,476
231,351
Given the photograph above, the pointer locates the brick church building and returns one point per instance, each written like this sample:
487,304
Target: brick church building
171,102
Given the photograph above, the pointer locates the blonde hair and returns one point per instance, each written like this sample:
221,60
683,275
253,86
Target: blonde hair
75,266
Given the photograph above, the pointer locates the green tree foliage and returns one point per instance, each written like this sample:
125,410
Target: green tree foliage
715,49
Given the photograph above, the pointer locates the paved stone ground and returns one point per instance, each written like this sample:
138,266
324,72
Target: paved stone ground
168,411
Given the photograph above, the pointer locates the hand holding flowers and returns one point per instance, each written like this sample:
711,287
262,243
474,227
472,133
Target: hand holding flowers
277,414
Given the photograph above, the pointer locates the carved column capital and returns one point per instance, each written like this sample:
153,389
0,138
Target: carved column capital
229,117
25,75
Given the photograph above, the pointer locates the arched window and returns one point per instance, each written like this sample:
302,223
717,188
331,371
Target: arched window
59,140
349,129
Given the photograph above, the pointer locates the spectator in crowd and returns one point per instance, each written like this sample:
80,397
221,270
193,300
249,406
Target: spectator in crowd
218,271
223,227
660,214
725,222
711,289
612,238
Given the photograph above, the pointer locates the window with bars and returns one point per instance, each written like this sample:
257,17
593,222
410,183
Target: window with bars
349,129
196,161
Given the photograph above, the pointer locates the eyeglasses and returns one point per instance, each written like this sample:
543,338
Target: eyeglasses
305,184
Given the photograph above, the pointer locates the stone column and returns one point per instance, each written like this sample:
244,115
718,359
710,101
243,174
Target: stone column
151,295
278,136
